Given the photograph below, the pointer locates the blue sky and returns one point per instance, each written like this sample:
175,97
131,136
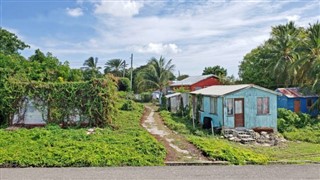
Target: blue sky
195,34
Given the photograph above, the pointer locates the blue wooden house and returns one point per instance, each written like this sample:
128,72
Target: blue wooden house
231,106
297,100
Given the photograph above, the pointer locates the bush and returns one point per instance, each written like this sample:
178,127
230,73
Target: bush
123,84
288,120
146,97
127,106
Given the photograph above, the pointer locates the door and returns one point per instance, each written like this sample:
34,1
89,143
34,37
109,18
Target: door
239,112
296,105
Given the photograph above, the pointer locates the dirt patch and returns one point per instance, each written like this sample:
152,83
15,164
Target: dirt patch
178,148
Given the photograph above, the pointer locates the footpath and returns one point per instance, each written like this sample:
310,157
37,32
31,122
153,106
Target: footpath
179,150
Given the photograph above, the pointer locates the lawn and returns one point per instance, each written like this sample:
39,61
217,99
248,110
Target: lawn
295,151
126,145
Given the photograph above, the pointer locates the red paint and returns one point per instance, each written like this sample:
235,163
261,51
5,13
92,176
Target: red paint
200,84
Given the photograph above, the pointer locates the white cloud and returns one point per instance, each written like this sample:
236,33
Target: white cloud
118,8
158,48
74,12
293,18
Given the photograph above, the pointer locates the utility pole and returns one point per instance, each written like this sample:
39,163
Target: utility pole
131,71
124,68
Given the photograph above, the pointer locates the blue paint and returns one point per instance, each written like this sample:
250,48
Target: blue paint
288,103
251,118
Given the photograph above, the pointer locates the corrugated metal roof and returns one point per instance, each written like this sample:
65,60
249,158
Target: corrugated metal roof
295,92
220,90
172,95
192,80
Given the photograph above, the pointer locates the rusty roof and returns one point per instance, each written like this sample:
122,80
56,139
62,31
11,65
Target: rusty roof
295,92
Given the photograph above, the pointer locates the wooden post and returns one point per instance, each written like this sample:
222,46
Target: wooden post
212,128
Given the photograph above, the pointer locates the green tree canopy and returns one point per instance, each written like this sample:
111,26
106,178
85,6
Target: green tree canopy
215,70
10,43
157,74
91,69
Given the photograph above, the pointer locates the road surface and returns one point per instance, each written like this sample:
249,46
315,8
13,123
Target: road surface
166,172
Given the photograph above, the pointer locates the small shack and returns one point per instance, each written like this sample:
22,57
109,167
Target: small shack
232,106
297,100
176,101
193,83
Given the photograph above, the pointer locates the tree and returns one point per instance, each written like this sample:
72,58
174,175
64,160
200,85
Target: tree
253,68
9,42
114,66
284,51
157,74
215,70
181,77
91,69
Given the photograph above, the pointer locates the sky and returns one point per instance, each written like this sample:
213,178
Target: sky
194,34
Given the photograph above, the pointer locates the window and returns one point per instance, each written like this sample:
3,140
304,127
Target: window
262,105
213,105
229,107
309,103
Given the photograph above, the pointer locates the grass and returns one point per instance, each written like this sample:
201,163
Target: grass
128,145
235,153
305,134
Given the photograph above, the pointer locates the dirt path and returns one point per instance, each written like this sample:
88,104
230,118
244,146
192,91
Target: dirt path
178,149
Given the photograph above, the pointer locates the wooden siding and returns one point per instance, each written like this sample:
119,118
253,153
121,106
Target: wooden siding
251,118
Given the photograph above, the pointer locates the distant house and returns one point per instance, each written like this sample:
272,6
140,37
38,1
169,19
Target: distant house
193,83
297,101
231,106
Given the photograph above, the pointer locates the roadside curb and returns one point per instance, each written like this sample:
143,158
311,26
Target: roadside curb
196,163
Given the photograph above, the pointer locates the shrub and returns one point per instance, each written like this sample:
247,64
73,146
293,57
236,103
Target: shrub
123,84
146,97
288,120
127,106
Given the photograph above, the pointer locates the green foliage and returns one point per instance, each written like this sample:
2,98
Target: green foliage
146,97
91,69
123,84
128,105
94,101
9,42
182,90
128,145
172,124
156,75
114,66
223,150
215,70
290,57
306,134
289,121
181,77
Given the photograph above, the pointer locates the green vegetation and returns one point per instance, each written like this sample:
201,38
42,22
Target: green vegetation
298,127
305,134
290,57
126,145
213,147
221,149
290,152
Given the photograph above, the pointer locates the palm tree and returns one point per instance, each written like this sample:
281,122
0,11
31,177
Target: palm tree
114,66
91,69
283,47
157,75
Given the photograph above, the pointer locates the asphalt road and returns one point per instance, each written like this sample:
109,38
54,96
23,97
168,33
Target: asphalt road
167,172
